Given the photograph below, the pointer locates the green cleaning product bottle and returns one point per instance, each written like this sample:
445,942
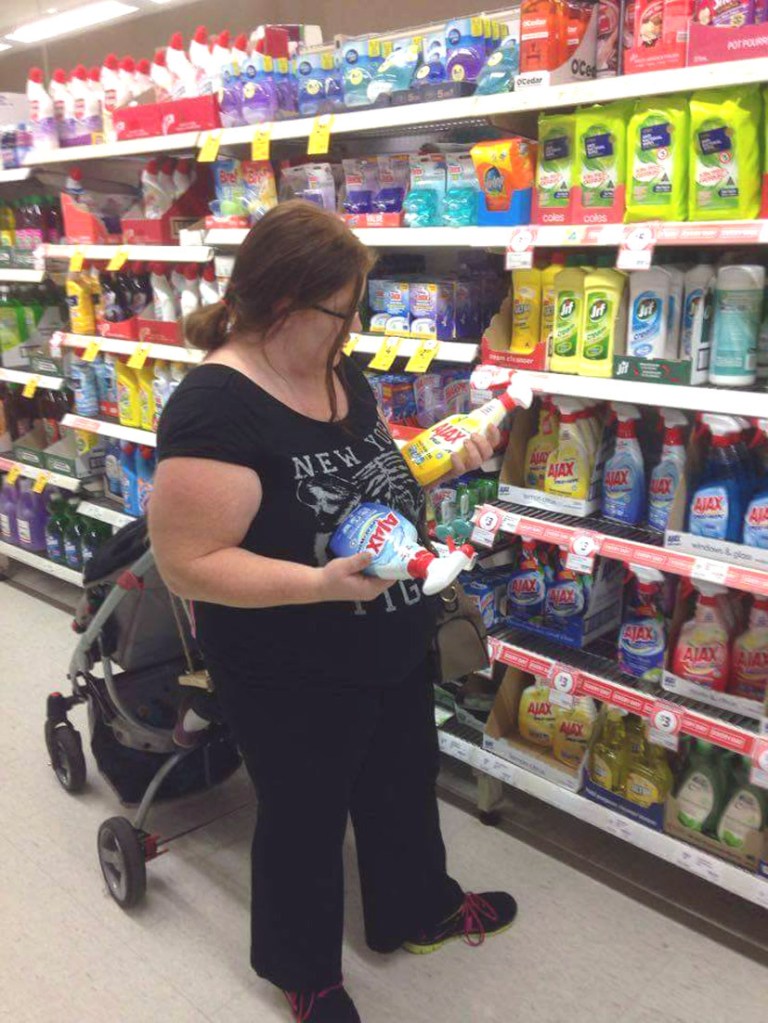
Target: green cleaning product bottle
746,810
724,167
657,154
702,790
603,322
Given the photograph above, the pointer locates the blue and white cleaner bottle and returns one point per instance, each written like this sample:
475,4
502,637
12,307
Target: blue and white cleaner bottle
624,491
643,634
717,505
738,311
756,515
674,312
648,313
667,474
392,542
697,310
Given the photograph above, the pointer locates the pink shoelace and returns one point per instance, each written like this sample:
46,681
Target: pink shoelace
302,1004
474,911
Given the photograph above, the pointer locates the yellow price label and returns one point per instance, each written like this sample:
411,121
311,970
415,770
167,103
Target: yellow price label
31,386
352,342
76,261
139,356
209,150
118,261
13,474
41,482
386,354
320,136
260,142
422,358
93,349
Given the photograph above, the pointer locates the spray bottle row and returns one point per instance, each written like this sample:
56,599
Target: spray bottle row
138,395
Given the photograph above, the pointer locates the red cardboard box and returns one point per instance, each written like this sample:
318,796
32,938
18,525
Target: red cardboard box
81,227
148,120
708,44
126,330
659,35
160,332
185,212
373,219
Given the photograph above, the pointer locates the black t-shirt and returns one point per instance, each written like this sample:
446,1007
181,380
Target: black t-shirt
312,474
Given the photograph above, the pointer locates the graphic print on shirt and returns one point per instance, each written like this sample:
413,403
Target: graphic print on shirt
385,479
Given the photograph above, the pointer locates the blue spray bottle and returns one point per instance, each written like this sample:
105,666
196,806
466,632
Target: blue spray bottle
756,515
717,504
145,471
128,480
526,590
667,474
643,636
624,493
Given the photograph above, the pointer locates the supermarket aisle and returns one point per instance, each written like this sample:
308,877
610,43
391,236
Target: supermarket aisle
182,958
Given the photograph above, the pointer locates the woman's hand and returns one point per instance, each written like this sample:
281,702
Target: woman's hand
342,579
478,449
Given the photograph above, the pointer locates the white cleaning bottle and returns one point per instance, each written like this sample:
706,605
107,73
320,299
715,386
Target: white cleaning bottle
62,103
240,51
667,474
160,388
697,309
126,71
190,292
166,184
200,58
674,312
73,186
649,297
162,292
183,176
183,74
114,96
738,311
209,286
152,197
45,135
161,77
177,278
142,79
178,372
624,494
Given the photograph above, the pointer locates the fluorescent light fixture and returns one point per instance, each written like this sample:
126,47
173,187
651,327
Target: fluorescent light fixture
5,46
70,21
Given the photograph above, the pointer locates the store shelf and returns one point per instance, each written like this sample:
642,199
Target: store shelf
23,376
725,875
19,275
55,479
104,513
42,564
723,701
106,429
111,150
13,174
142,253
461,352
599,678
587,534
116,346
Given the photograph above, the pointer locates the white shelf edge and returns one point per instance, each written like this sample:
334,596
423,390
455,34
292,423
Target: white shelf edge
105,429
42,564
31,472
725,875
225,237
19,275
110,150
23,376
464,352
721,701
102,513
118,346
142,253
434,237
639,392
13,174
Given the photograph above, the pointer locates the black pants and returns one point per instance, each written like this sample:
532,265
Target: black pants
315,757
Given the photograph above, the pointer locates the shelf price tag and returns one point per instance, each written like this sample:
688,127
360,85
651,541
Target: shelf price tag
386,354
41,482
31,386
636,247
665,725
260,142
139,356
581,552
209,150
320,136
759,773
76,261
422,358
487,524
92,350
563,685
13,474
119,259
351,344
520,248
710,571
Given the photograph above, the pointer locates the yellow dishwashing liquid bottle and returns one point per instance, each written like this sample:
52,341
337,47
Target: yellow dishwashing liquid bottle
128,400
569,299
573,731
603,322
649,777
608,758
146,379
7,226
526,310
540,446
548,302
82,316
569,466
428,456
535,716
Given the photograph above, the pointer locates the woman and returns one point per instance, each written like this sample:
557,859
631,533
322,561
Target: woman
324,674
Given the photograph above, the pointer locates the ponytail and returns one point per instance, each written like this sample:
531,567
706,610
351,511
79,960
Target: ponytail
207,327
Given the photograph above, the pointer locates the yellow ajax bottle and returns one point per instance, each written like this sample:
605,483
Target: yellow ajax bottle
569,466
569,299
526,310
128,400
603,320
540,447
573,731
82,317
536,716
428,456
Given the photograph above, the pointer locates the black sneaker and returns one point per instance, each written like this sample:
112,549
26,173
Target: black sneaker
477,916
332,1005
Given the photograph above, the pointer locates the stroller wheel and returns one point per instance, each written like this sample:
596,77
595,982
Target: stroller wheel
66,752
121,855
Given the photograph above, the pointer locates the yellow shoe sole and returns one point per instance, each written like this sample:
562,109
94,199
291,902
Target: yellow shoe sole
425,950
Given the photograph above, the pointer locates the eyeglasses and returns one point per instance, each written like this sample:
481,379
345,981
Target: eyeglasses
331,312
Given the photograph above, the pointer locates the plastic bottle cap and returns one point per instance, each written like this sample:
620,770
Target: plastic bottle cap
201,35
151,167
111,62
143,66
158,269
190,271
241,43
60,76
167,166
441,572
223,39
209,273
128,64
75,173
35,75
159,58
176,42
80,73
95,73
183,165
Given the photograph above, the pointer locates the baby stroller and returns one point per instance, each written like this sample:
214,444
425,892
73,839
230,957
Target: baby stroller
128,620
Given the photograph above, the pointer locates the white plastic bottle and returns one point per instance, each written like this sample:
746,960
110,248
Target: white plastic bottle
166,184
183,176
674,311
176,274
162,292
649,298
127,73
59,92
190,293
160,388
178,372
699,281
151,195
209,286
45,135
737,314
114,94
200,58
80,90
73,186
183,74
668,473
221,57
161,77
142,79
240,52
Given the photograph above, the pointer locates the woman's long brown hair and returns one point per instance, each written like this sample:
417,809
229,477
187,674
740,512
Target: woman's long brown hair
297,256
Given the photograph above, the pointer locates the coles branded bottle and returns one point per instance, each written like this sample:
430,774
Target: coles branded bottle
526,590
716,508
209,286
702,654
161,77
642,641
624,493
667,474
749,663
535,716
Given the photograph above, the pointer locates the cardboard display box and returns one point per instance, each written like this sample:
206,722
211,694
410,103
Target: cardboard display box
652,816
148,120
752,856
474,701
501,736
63,457
186,211
579,65
495,342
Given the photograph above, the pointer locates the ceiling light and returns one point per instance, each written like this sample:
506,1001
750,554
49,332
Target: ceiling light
5,46
71,21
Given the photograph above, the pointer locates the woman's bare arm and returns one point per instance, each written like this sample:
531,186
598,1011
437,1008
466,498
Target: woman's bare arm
199,512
